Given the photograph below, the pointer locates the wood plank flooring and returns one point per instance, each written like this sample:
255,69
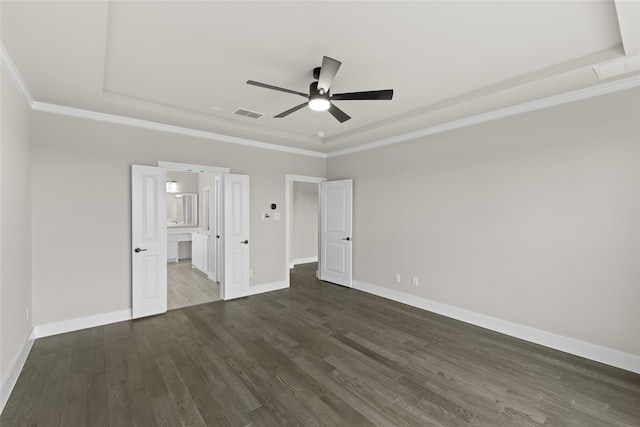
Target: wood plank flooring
315,354
188,286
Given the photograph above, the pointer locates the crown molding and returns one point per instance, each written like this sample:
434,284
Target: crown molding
15,75
577,95
162,127
565,98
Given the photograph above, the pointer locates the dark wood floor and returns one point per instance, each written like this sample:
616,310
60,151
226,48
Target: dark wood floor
314,354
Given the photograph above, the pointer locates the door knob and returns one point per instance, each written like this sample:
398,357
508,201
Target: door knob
136,250
246,242
346,238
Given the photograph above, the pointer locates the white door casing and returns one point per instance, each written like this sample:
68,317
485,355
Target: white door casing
288,191
236,236
148,241
336,207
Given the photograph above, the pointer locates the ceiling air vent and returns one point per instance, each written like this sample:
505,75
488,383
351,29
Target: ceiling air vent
248,113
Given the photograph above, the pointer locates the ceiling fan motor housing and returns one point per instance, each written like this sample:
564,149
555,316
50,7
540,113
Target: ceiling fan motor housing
315,93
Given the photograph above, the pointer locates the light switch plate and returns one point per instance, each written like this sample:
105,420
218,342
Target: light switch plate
276,216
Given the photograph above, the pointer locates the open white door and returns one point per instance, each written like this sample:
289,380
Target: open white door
236,235
148,241
336,205
219,235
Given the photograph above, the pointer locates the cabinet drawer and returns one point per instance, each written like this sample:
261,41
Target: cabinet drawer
184,237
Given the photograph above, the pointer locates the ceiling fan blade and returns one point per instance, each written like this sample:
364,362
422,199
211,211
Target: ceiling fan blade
281,89
368,95
340,115
291,110
328,71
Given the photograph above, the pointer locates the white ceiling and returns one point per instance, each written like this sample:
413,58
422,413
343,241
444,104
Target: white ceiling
187,63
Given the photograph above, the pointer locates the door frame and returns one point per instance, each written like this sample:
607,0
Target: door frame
194,168
288,194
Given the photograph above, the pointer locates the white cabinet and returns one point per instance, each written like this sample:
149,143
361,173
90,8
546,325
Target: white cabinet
200,251
173,244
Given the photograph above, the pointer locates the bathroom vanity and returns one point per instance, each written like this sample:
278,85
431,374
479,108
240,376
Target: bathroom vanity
175,250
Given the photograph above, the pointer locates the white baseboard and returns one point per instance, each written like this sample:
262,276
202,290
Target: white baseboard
211,276
587,350
257,289
14,371
304,260
77,324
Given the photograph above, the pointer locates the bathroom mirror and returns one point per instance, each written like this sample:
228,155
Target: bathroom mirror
182,209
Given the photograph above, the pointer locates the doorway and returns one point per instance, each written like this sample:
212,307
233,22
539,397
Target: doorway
192,250
149,228
298,189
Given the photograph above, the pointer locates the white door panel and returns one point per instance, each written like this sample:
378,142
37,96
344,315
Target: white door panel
236,236
219,235
149,241
336,200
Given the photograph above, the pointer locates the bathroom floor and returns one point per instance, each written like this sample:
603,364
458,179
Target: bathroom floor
188,286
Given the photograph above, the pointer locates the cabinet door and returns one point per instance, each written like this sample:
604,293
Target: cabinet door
172,251
194,250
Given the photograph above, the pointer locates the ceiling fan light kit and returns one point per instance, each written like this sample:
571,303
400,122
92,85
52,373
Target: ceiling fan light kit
319,98
319,104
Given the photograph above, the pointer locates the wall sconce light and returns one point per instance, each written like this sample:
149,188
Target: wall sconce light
172,186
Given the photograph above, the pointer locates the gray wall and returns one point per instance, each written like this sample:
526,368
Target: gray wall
91,161
304,227
15,224
533,219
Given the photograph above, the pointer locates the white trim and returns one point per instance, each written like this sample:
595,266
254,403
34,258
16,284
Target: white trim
587,350
11,68
13,373
289,179
259,289
162,127
539,104
304,260
576,95
81,323
188,167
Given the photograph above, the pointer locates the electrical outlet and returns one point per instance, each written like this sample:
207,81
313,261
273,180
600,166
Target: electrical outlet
27,313
397,277
414,282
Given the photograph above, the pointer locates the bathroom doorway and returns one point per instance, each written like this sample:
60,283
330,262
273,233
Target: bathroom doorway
192,220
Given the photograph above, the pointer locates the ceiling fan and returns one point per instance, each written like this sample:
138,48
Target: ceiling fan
319,97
